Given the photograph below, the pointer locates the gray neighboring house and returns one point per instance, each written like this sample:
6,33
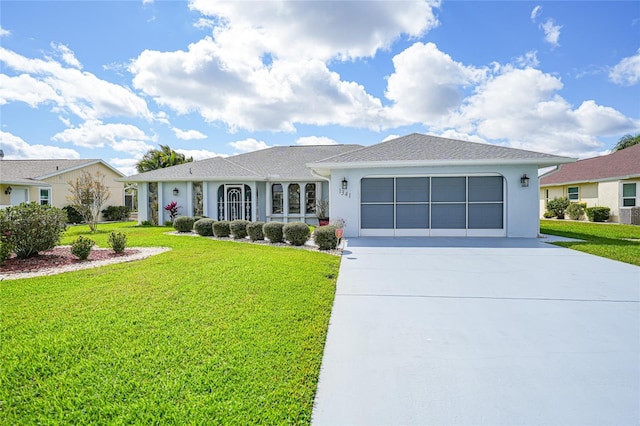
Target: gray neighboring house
415,185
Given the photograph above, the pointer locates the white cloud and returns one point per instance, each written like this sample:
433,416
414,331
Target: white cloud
320,30
127,166
15,148
315,140
627,71
390,137
536,12
261,98
94,134
188,134
529,59
67,55
427,84
551,32
522,108
24,88
199,154
265,65
70,89
248,145
4,32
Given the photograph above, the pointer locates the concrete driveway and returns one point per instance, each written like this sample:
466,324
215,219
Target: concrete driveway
480,331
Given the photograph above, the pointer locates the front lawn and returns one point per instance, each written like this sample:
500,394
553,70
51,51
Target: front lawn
211,332
613,241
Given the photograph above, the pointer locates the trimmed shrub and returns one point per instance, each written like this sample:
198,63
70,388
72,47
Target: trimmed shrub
273,231
204,227
598,214
183,223
81,248
116,213
31,228
221,228
548,215
557,206
5,251
72,215
238,228
254,230
117,241
576,210
297,233
325,237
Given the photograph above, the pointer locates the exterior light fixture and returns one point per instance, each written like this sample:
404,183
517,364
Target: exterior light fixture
8,190
345,183
524,180
176,191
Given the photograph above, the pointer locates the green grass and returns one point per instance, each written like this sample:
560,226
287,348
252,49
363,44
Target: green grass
606,240
211,332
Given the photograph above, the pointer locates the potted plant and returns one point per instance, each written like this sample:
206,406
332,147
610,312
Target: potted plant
322,211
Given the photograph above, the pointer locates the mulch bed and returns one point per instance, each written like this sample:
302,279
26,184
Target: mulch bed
57,257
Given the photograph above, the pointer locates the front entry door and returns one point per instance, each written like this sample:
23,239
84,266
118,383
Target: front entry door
235,202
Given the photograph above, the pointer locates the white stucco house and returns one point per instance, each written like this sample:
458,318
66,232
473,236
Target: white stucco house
416,185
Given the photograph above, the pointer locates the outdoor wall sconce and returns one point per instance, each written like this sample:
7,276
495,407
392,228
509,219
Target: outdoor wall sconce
524,180
345,183
8,190
176,191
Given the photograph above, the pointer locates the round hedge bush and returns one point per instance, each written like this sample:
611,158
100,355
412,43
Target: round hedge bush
254,230
204,227
325,237
239,228
183,223
221,228
273,231
297,233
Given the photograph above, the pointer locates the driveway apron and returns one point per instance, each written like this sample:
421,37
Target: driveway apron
446,331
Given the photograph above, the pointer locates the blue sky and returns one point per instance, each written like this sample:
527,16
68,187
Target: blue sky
113,79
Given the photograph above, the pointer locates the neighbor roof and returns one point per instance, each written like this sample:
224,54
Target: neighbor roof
30,172
277,163
419,149
621,164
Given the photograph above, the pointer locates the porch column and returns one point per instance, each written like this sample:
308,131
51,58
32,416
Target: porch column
205,198
160,203
143,202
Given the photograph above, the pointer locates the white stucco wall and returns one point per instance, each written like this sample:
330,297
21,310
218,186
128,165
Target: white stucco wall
522,217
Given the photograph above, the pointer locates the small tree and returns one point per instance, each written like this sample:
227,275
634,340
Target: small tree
30,228
88,195
557,206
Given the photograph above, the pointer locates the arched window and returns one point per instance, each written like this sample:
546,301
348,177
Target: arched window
277,199
310,198
294,198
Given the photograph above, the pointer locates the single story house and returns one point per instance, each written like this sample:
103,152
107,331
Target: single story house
611,180
47,181
416,185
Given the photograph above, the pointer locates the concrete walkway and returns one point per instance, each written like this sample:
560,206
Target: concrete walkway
480,331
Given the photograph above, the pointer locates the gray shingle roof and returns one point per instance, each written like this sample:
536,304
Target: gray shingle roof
280,162
28,172
418,148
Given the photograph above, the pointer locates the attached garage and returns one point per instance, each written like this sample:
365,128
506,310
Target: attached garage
422,185
432,206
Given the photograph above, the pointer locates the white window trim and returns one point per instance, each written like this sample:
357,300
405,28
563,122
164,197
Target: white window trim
569,194
48,196
622,197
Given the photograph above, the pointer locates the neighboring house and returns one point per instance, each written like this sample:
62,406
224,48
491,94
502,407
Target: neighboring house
47,181
610,180
416,185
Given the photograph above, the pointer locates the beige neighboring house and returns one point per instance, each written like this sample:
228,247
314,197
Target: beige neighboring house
47,181
611,180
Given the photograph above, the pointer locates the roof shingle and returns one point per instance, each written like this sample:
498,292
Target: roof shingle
29,171
620,164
